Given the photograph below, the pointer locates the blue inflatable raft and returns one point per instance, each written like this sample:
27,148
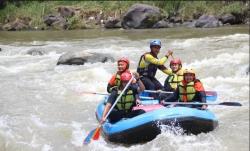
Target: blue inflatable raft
146,127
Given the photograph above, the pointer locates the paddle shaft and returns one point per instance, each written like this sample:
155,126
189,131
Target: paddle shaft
197,103
97,93
94,134
159,91
118,98
169,92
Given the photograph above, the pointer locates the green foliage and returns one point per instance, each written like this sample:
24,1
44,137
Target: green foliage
36,10
190,8
7,12
236,7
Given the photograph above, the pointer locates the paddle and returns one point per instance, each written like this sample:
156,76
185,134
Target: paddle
197,103
97,93
211,95
95,133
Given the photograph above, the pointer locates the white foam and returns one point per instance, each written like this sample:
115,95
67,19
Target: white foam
37,121
47,147
77,134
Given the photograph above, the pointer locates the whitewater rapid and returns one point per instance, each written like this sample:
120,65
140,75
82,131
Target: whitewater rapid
42,107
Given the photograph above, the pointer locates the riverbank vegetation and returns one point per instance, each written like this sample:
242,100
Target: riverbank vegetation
33,12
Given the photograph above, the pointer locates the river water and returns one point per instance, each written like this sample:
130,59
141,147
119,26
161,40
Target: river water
42,109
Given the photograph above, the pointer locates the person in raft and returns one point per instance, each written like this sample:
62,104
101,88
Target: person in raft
172,81
115,81
130,98
190,89
148,65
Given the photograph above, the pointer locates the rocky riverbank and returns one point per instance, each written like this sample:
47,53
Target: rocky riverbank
136,16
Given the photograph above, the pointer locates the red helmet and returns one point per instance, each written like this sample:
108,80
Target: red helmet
124,59
126,76
175,61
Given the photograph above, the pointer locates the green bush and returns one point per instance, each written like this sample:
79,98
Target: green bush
236,7
36,10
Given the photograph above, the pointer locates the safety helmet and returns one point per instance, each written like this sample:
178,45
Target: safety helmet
189,71
124,59
176,61
155,43
126,76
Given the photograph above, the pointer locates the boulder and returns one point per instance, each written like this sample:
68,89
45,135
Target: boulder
66,11
197,15
80,58
189,24
58,22
141,16
50,19
18,24
240,17
175,19
35,52
228,18
113,23
207,21
163,24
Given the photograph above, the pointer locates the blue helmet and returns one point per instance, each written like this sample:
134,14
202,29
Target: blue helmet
155,43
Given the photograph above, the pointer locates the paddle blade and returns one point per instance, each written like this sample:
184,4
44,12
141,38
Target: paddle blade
211,96
211,93
89,136
231,103
96,133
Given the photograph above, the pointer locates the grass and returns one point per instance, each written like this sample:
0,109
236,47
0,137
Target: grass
36,10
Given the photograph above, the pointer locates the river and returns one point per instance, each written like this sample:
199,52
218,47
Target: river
42,109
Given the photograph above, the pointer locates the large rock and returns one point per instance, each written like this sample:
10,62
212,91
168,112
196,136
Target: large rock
66,11
18,24
56,21
141,16
50,19
113,23
175,19
163,24
189,24
35,52
207,21
80,58
240,17
228,19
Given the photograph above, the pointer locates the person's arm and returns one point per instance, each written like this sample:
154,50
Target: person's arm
167,86
203,96
173,97
139,82
165,70
110,102
153,60
200,93
137,99
111,85
111,88
106,110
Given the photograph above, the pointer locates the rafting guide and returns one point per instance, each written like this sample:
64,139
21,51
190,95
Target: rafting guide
149,63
